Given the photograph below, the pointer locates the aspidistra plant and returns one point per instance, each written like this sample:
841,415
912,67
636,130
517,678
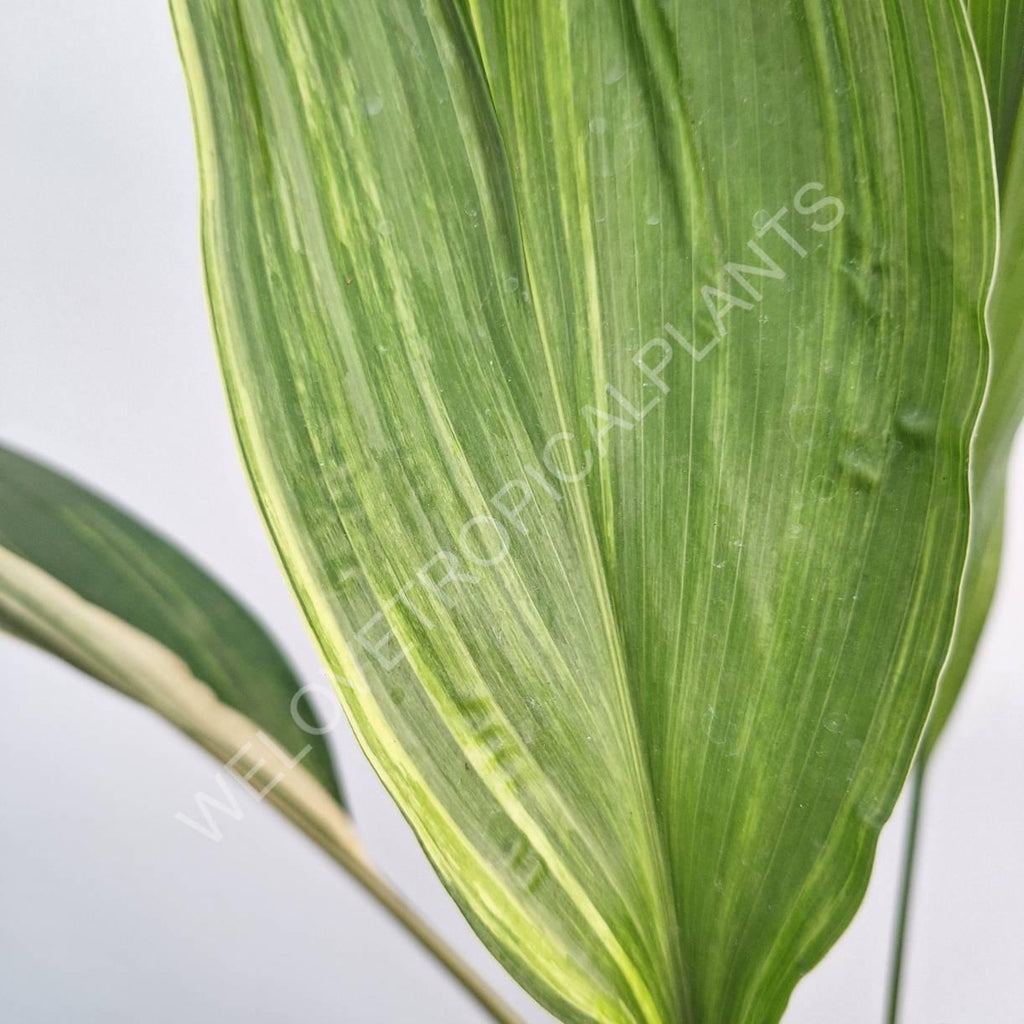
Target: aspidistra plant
627,387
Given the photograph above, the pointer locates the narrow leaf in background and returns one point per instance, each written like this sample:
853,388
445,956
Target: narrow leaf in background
109,560
606,375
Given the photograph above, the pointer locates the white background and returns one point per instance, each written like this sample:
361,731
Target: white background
110,910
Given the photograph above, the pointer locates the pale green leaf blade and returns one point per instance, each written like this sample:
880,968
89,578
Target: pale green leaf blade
642,650
999,32
112,562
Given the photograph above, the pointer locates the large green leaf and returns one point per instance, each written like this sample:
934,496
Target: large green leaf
96,555
999,31
606,374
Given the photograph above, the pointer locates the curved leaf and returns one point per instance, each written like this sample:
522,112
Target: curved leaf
606,374
109,560
999,31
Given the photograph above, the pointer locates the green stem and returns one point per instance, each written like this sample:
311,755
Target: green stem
906,886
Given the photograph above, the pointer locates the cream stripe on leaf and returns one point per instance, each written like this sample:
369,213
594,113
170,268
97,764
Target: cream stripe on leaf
606,374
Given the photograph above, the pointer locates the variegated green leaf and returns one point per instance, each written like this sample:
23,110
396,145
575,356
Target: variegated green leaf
606,373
